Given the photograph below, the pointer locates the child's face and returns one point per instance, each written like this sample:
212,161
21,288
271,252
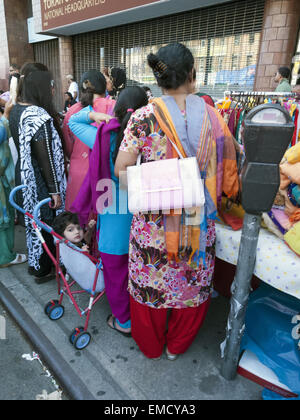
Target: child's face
73,233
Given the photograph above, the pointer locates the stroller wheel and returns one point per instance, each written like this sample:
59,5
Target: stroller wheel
50,305
82,340
75,333
54,310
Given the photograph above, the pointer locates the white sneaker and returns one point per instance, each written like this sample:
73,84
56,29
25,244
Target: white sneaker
171,356
20,259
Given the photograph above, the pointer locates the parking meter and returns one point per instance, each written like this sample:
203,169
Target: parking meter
268,132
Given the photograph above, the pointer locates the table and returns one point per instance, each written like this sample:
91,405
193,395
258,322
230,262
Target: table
276,263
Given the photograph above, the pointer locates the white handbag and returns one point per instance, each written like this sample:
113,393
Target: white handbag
165,185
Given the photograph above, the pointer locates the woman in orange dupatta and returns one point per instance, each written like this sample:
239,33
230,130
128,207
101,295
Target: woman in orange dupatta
171,261
93,87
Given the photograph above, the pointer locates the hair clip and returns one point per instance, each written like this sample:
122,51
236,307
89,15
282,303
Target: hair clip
130,110
160,69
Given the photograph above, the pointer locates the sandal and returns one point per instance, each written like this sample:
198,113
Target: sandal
171,356
20,259
128,335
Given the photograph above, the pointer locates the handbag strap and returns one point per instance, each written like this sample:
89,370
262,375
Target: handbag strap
176,148
139,159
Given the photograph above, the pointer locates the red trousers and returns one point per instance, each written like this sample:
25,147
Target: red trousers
150,331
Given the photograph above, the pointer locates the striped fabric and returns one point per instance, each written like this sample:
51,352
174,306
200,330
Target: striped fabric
216,152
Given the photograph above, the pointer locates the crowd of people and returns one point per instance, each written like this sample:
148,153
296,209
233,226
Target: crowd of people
158,294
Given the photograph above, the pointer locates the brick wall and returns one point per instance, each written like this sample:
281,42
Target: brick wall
278,40
20,51
66,60
4,56
65,49
14,46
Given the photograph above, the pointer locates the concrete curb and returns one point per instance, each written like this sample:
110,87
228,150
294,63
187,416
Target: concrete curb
66,376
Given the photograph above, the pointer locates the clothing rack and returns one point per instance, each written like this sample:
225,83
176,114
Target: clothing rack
256,93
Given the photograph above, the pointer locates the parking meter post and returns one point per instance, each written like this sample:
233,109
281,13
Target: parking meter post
240,290
268,132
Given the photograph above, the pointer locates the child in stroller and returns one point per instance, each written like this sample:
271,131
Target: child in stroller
83,270
67,225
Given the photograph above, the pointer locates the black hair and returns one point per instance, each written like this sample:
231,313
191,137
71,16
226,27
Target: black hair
15,66
284,72
172,65
118,79
25,71
63,220
69,95
131,98
92,82
37,91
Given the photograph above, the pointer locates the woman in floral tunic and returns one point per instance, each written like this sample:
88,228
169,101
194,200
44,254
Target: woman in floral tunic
163,274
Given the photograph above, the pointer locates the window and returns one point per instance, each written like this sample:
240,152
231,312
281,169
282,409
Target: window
251,38
249,60
219,63
237,40
200,64
234,62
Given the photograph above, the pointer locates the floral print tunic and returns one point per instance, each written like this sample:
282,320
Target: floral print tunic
153,280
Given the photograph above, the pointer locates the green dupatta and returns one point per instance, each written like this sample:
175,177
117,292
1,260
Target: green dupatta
7,175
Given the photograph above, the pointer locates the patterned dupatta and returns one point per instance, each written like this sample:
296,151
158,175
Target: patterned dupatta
7,175
32,119
89,197
201,135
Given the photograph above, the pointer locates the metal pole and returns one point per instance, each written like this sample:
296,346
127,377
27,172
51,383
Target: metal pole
240,290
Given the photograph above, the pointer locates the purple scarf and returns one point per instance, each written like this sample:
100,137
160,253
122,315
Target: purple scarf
99,168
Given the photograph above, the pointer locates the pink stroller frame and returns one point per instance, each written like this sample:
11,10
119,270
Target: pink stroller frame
81,269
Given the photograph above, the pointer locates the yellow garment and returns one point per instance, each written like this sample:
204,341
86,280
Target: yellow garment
234,209
225,104
292,155
231,213
293,109
292,238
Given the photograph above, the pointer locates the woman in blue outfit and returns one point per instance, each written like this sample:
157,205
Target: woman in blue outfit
114,224
7,181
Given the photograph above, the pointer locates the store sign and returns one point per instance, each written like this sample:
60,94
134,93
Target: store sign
57,13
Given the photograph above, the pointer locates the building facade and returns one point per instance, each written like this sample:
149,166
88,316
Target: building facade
236,44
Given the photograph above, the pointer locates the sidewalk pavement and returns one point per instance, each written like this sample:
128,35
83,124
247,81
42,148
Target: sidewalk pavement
112,366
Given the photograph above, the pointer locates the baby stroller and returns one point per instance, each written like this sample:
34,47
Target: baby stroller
73,267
